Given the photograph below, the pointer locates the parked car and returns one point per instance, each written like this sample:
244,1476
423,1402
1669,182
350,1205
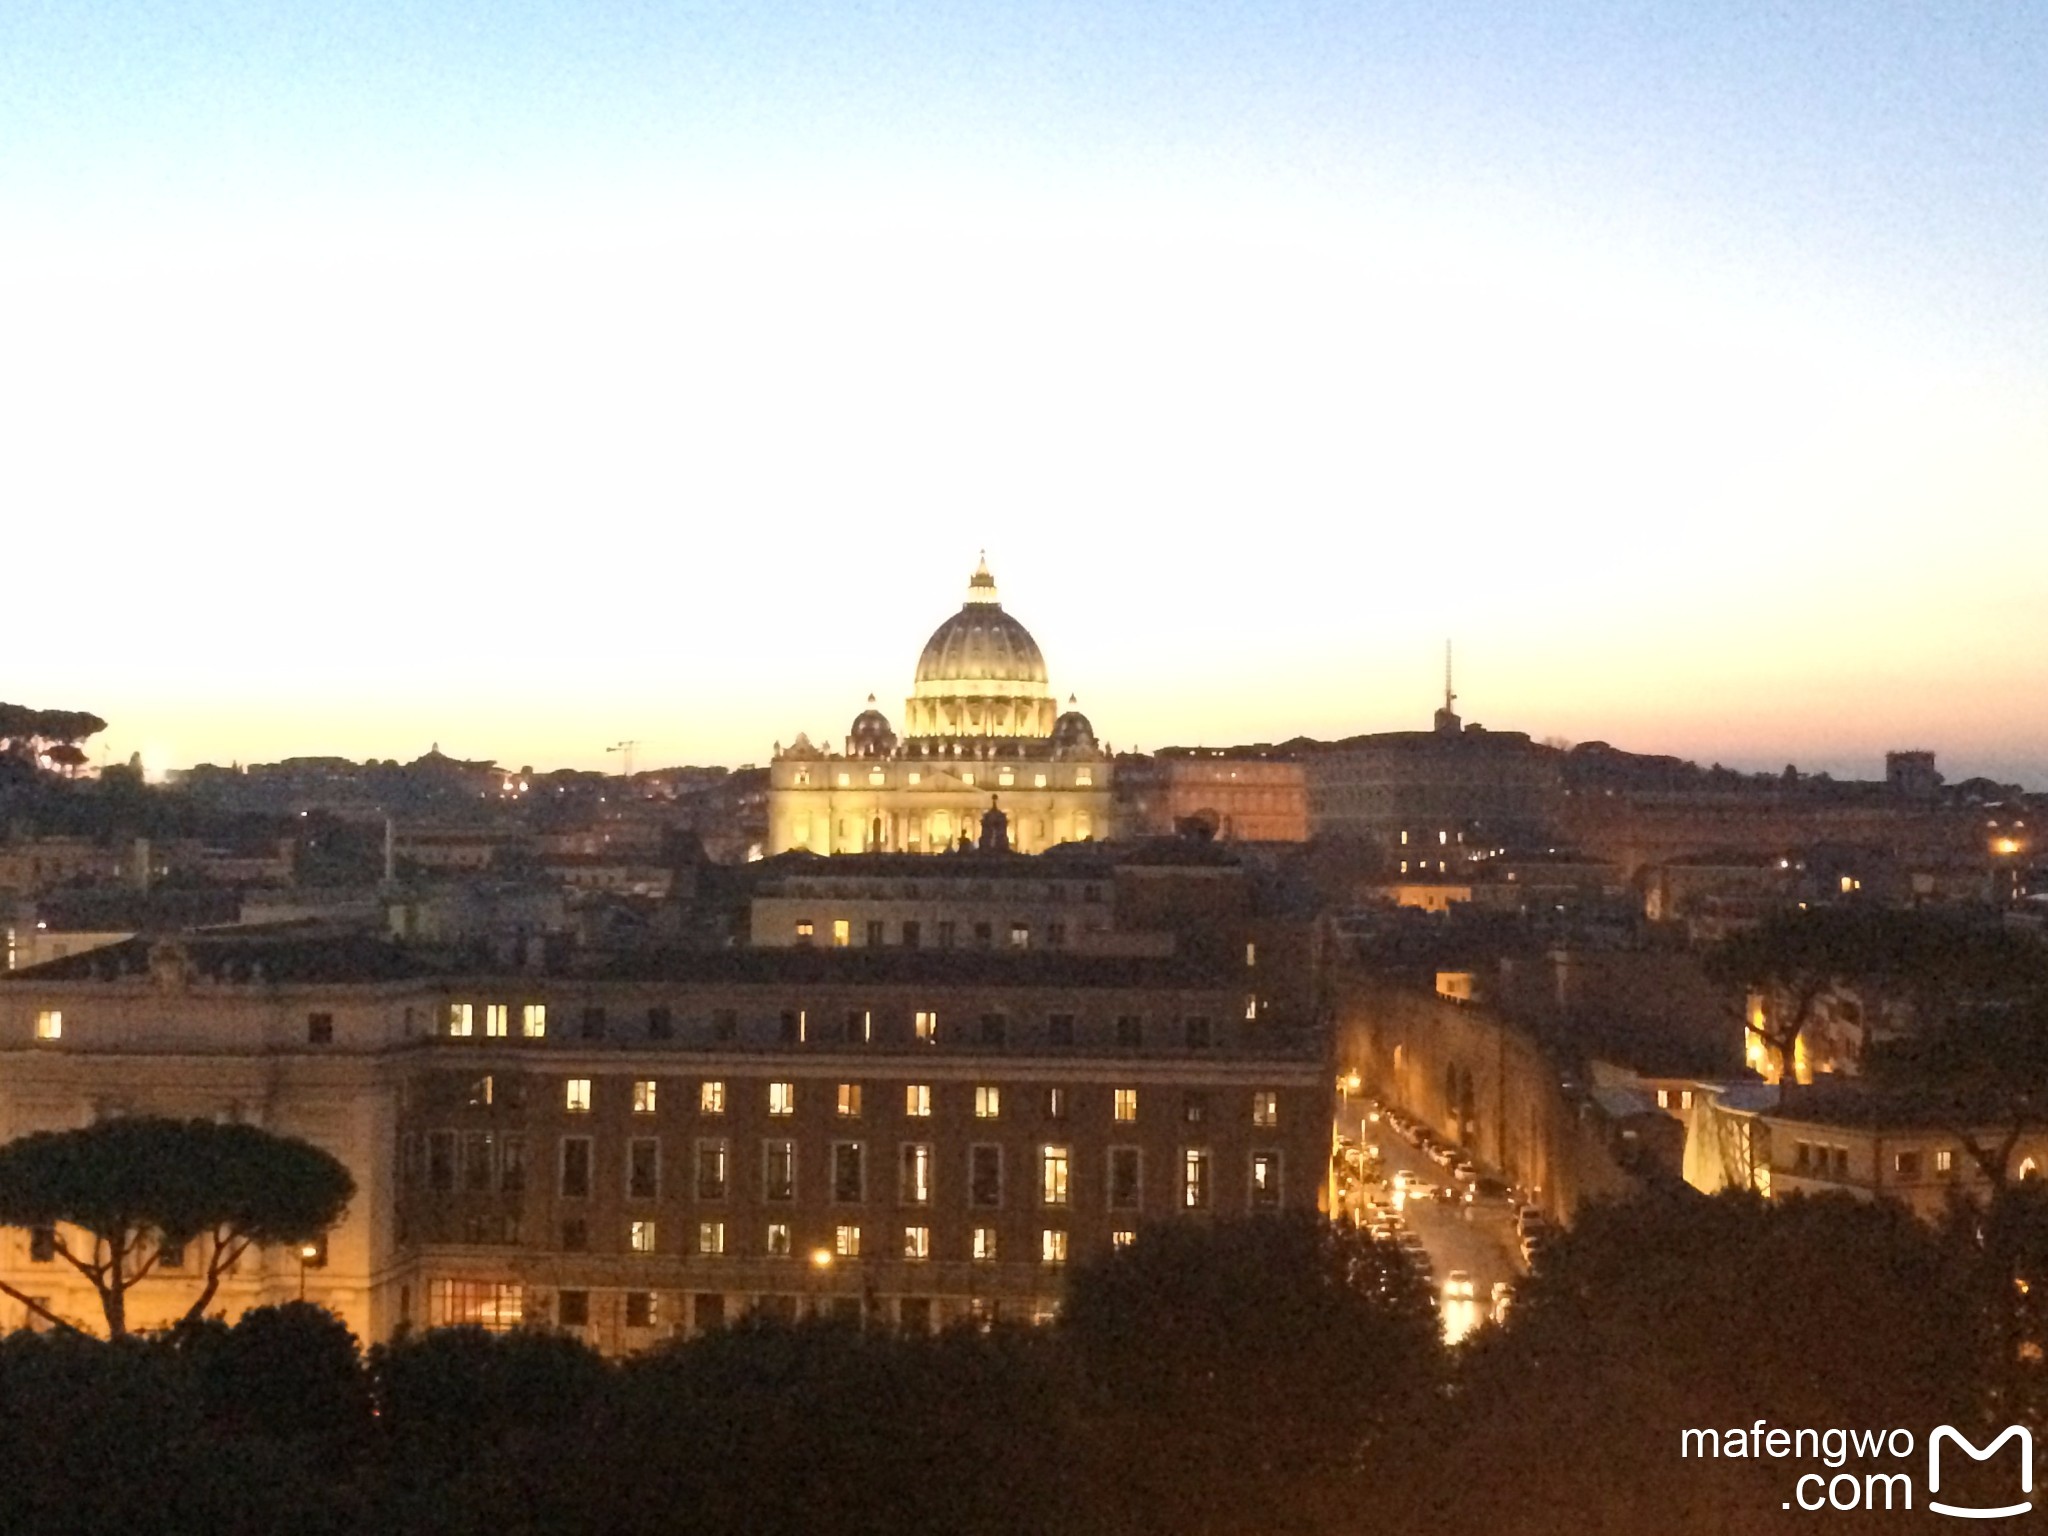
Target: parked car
1483,1188
1458,1285
1529,1219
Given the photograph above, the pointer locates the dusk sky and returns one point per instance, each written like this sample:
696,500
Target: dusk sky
532,375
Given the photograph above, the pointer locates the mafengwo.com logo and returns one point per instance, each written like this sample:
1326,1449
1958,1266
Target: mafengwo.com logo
1875,1469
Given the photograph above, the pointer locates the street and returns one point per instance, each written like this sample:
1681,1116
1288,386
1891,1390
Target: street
1479,1239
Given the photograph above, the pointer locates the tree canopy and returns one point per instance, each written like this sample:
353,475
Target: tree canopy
138,1187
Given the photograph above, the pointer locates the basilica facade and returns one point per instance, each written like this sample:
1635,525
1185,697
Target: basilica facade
981,732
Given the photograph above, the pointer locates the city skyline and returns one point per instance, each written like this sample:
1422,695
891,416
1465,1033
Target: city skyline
532,383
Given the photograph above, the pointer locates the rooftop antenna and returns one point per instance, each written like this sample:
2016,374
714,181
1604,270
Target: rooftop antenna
625,750
1450,698
1447,722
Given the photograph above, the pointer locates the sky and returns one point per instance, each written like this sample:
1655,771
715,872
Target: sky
530,377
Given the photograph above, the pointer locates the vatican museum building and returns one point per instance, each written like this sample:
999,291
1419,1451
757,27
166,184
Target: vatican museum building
981,730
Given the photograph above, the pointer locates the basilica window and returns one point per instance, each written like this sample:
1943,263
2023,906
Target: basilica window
1083,777
1006,777
845,780
916,779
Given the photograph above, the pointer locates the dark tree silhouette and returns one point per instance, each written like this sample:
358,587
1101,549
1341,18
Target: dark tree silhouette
1235,1373
130,1188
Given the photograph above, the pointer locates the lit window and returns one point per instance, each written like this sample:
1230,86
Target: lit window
917,1242
1083,777
533,1020
1251,1005
967,778
916,778
1127,1103
842,933
1020,935
50,1024
1038,780
711,1098
711,1238
988,1103
1404,841
877,777
1055,1103
643,1096
1944,1162
778,1239
640,1236
1194,1179
917,1100
915,1185
1006,776
985,1244
846,1242
1685,1098
495,1017
927,1027
1052,1184
845,781
849,1100
1052,1245
1251,954
1663,1098
576,1095
1266,1110
1122,1237
803,928
1265,1181
782,1098
1443,837
459,1020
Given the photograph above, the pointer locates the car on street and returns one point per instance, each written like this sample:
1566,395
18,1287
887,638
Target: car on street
1533,1246
1529,1219
1458,1285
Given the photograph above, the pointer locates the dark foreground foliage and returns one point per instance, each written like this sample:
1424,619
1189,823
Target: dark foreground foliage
1270,1376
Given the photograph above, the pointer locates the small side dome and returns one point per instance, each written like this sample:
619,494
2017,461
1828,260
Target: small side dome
1072,732
871,735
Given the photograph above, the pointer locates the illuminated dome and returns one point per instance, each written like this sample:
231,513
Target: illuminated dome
981,673
981,643
1072,732
871,735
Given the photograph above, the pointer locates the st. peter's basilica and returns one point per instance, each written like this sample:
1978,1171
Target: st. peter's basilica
979,729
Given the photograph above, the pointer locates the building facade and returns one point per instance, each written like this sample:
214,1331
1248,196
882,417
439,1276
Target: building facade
981,732
907,1136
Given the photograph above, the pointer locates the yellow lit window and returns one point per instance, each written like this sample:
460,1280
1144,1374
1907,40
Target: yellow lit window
641,1236
711,1238
845,781
803,928
533,1020
576,1096
846,1242
778,1239
643,1096
927,1027
1006,777
985,1244
917,1242
1038,780
917,1100
1083,777
1127,1103
988,1102
50,1024
711,1098
1052,1245
1123,1237
459,1020
877,777
782,1098
842,933
849,1100
916,779
1052,1182
495,1017
1266,1110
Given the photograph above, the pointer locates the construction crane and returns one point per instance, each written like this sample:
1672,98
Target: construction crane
625,750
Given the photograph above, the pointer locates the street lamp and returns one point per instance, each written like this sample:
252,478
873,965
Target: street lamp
308,1252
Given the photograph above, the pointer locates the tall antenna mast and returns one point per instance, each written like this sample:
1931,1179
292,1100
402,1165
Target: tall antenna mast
625,751
1450,698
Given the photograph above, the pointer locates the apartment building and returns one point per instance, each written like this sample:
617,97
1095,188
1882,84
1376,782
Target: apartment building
908,1136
